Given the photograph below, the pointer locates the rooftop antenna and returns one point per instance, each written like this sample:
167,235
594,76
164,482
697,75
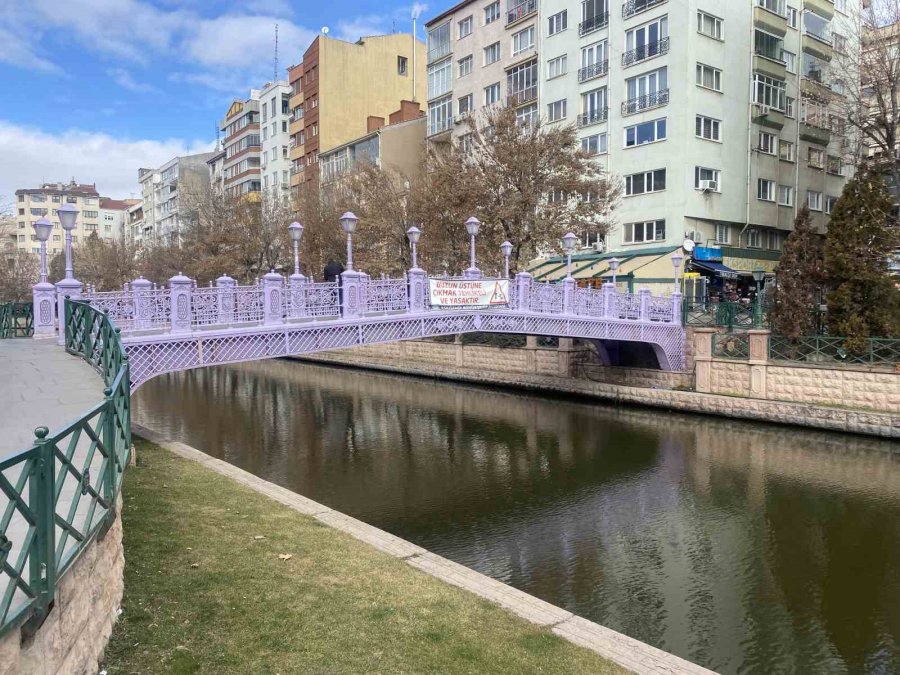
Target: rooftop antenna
218,143
275,70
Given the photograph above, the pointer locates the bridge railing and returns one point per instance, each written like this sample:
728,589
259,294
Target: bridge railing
59,494
16,319
385,295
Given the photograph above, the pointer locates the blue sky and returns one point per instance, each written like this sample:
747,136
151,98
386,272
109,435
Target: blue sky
96,88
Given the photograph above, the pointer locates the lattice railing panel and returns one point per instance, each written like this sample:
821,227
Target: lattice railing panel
627,306
205,306
248,304
589,302
384,295
322,299
731,345
546,298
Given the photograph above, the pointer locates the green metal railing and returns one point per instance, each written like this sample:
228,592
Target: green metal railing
61,492
731,345
731,315
833,350
16,319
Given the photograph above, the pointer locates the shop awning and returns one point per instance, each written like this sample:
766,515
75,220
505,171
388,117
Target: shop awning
715,268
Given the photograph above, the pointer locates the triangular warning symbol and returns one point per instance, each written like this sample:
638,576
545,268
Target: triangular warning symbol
498,297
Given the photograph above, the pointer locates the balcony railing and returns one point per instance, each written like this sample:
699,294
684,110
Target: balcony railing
633,7
820,34
775,6
520,11
437,52
593,117
439,126
646,102
593,23
594,70
645,52
523,96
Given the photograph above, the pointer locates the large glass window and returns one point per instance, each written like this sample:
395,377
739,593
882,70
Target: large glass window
651,230
440,78
709,25
646,91
708,128
439,41
523,40
644,182
594,145
440,114
521,82
769,91
646,132
768,45
646,41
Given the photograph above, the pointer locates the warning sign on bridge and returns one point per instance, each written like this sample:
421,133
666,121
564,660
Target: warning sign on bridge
468,293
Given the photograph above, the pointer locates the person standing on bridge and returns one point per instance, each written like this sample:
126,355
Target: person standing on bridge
333,271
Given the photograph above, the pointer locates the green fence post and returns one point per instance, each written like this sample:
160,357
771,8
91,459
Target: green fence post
112,459
42,560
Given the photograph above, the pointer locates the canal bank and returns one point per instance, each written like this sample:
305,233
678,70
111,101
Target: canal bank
554,370
345,606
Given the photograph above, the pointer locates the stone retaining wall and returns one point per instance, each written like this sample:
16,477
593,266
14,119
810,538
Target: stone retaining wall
72,639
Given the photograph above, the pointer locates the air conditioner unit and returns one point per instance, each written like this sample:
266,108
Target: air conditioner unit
598,246
763,110
709,186
694,236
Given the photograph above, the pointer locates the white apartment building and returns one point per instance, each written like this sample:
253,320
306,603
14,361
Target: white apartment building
274,159
166,194
718,116
32,204
114,217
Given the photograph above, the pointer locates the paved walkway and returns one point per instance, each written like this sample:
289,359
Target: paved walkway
41,385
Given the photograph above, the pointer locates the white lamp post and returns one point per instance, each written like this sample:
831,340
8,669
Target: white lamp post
613,266
677,259
42,292
296,231
68,214
506,249
42,229
69,286
568,241
472,227
349,222
413,234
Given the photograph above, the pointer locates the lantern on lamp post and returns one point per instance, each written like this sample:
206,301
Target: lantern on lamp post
506,249
68,214
677,259
42,229
413,234
472,227
613,266
348,223
296,231
759,275
568,242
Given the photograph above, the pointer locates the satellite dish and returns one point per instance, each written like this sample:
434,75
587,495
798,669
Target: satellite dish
688,245
324,30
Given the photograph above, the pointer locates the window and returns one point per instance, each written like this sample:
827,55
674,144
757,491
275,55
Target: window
644,182
829,204
465,104
815,158
753,238
527,115
789,107
814,200
439,78
465,27
790,61
709,77
594,145
492,93
440,114
558,22
43,212
768,91
557,66
767,143
523,40
556,110
646,132
767,45
646,41
557,196
651,230
492,12
594,15
817,26
707,24
833,165
773,240
786,150
708,128
776,6
465,66
841,5
439,41
649,90
704,175
521,82
402,65
54,198
765,190
723,233
792,17
87,214
492,53
594,106
265,116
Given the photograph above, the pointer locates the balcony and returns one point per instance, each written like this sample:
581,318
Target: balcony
521,11
769,65
438,52
815,84
633,7
593,117
770,20
813,133
592,71
644,52
656,99
593,23
522,97
440,126
818,45
823,8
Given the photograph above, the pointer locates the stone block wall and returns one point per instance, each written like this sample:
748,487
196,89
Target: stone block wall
74,634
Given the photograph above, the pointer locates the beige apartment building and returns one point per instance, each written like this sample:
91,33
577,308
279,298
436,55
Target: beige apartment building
339,85
241,168
35,203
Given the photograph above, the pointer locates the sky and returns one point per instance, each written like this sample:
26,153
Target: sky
95,89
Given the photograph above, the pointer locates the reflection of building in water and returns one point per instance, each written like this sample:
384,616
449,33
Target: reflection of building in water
729,543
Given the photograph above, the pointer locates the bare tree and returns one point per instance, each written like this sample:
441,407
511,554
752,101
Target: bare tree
18,273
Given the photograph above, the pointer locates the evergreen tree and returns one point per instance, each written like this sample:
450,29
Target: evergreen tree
862,299
799,276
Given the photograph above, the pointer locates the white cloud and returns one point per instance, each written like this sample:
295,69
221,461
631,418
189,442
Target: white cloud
363,26
234,41
125,80
112,163
18,51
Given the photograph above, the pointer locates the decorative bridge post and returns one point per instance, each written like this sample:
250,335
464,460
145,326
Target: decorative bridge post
418,280
180,299
644,298
610,311
273,288
568,295
523,291
42,296
141,303
297,304
351,293
676,307
226,285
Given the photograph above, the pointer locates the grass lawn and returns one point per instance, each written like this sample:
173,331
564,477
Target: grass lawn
206,592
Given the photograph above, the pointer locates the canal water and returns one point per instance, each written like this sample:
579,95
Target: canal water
747,548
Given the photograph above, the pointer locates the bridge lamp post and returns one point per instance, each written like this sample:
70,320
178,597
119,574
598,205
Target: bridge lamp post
68,214
42,229
568,241
472,227
506,250
349,222
677,259
613,266
296,231
413,234
759,274
42,292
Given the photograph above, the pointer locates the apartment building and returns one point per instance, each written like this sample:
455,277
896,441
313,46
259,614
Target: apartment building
134,226
241,128
167,194
114,217
339,85
719,117
275,161
32,204
216,168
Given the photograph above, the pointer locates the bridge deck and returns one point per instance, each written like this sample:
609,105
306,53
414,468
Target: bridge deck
41,385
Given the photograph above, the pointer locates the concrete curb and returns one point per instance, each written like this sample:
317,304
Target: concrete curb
629,653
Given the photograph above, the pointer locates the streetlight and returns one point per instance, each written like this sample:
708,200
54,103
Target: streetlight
568,241
68,214
677,259
472,227
296,231
613,266
506,249
413,234
759,274
349,222
42,229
